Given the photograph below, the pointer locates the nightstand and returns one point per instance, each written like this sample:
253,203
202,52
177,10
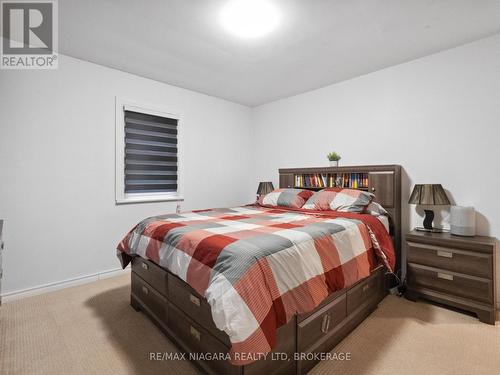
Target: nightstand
452,270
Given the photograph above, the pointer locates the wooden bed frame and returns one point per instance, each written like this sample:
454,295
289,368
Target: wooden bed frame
185,316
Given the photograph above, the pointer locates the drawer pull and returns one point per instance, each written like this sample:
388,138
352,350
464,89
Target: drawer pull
195,333
194,300
145,266
325,324
366,287
445,276
145,290
444,254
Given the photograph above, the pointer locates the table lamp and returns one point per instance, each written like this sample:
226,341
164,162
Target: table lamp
430,195
264,188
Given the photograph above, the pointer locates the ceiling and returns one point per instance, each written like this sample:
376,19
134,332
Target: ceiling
319,42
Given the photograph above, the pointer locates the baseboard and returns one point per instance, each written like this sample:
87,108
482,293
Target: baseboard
45,288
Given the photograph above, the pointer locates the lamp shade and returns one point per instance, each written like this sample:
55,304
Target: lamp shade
429,194
265,188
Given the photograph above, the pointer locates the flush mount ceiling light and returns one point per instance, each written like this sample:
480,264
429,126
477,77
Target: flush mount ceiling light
249,18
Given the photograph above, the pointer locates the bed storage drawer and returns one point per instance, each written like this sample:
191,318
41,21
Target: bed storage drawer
193,305
462,261
322,349
327,301
364,292
473,287
153,274
198,341
149,297
321,322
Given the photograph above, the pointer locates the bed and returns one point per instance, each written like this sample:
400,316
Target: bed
256,289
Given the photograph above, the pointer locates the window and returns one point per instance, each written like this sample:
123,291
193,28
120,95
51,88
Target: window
146,154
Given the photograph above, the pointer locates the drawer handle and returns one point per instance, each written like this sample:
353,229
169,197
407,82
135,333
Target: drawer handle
325,324
445,276
366,287
194,300
444,254
145,290
145,266
195,333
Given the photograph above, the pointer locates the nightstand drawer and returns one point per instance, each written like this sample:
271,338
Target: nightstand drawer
477,288
461,261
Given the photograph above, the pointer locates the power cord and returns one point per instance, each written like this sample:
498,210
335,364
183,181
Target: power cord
400,288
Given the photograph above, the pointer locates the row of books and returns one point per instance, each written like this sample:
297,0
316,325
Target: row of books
354,180
348,180
312,180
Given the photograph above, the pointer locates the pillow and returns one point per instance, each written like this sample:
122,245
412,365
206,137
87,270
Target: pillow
375,209
293,198
339,199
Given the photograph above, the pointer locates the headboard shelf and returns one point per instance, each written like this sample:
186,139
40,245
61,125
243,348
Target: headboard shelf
382,180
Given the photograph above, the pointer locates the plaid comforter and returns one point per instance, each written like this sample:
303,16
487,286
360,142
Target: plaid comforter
259,266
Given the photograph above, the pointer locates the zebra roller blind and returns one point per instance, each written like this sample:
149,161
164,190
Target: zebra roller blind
150,153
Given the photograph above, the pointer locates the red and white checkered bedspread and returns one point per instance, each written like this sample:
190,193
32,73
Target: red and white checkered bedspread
259,266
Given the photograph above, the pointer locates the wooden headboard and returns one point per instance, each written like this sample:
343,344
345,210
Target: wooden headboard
382,180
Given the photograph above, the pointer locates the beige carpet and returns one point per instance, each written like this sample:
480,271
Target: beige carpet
91,329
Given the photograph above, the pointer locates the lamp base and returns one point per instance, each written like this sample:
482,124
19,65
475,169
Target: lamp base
432,230
428,219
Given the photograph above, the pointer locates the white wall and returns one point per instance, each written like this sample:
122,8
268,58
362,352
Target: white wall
57,196
439,117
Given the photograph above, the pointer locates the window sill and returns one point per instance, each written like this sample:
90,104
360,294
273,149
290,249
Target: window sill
149,199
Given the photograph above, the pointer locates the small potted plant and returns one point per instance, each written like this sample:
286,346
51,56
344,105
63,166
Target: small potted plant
334,159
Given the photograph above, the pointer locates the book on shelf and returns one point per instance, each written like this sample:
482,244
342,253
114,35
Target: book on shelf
345,180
